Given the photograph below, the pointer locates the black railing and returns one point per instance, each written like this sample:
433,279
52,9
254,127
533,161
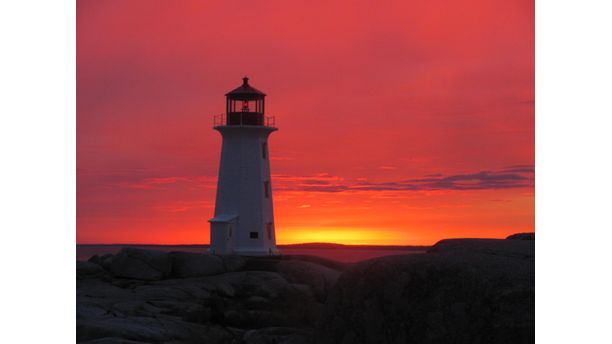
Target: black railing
244,118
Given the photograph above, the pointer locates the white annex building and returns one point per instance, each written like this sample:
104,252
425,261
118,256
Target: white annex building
244,218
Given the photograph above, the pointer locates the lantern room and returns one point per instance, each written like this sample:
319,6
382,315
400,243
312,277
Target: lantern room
245,105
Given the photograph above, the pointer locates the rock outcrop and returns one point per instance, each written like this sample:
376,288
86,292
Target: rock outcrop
462,291
509,248
320,278
185,265
156,297
140,264
522,236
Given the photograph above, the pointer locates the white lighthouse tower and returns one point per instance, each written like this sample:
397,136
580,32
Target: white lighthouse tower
244,218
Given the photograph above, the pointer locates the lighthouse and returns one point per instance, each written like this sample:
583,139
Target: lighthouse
244,218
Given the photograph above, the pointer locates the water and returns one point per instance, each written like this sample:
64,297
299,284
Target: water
348,254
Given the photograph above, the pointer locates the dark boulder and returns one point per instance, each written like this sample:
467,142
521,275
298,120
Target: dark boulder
510,248
141,264
329,263
185,264
464,291
248,283
320,274
233,263
320,278
261,264
178,292
104,261
88,269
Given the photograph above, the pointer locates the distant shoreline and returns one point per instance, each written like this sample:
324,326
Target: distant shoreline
339,252
296,246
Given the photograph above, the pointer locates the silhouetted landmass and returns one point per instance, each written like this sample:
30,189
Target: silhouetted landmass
346,253
324,245
460,291
522,236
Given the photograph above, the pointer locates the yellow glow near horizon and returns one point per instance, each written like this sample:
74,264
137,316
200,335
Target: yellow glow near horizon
343,235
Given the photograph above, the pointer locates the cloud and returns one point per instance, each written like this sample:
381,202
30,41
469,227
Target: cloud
519,169
151,183
320,182
516,176
183,206
520,176
157,183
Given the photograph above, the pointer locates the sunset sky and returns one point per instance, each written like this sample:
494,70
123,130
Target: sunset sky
400,122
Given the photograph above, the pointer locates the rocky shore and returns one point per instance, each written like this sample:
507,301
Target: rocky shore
461,291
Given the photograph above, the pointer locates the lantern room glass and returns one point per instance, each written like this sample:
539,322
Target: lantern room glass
243,105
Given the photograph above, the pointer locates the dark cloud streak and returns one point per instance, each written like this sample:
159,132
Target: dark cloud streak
508,178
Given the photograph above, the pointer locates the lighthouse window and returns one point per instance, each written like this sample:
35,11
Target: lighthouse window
267,189
254,235
269,230
264,150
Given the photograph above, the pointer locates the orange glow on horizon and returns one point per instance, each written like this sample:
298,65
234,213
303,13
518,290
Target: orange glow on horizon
360,218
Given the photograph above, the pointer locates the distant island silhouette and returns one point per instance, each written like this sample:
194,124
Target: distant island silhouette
341,252
326,245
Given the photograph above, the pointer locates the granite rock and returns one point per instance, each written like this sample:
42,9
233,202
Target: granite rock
463,291
320,278
185,264
141,264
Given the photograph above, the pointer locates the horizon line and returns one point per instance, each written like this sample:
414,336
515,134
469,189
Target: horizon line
292,244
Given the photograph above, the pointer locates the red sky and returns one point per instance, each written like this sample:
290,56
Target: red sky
401,122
